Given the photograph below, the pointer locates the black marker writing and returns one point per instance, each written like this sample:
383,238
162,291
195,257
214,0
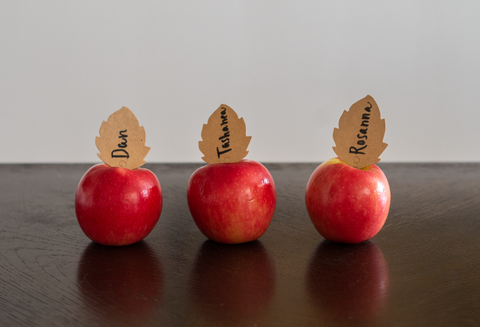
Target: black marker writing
363,132
225,138
122,146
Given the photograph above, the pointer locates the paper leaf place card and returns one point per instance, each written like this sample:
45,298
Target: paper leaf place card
224,137
122,140
359,136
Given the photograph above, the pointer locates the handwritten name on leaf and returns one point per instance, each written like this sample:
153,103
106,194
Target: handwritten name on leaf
359,136
122,140
224,137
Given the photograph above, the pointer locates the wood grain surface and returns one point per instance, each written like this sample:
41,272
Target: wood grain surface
422,269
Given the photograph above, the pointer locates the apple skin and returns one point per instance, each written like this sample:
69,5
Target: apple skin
232,203
347,204
118,206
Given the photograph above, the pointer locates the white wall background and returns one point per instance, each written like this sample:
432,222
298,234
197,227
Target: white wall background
288,67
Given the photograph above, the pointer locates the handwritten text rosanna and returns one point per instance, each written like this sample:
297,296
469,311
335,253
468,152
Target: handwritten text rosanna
362,136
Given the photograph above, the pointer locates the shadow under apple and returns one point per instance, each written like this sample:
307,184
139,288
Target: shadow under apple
232,284
348,282
123,285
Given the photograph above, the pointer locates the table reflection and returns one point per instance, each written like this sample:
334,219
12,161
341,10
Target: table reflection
123,285
348,283
232,284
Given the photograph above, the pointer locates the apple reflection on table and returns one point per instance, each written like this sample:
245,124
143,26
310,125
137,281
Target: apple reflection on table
232,284
348,283
123,285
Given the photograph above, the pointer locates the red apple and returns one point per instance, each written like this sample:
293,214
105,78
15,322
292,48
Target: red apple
232,202
118,206
347,204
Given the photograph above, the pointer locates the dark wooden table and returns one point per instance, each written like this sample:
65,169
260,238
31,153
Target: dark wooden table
422,269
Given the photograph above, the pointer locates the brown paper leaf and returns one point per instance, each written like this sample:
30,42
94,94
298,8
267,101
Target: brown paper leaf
122,140
360,132
224,137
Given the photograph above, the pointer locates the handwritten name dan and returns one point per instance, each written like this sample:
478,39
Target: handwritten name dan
122,146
